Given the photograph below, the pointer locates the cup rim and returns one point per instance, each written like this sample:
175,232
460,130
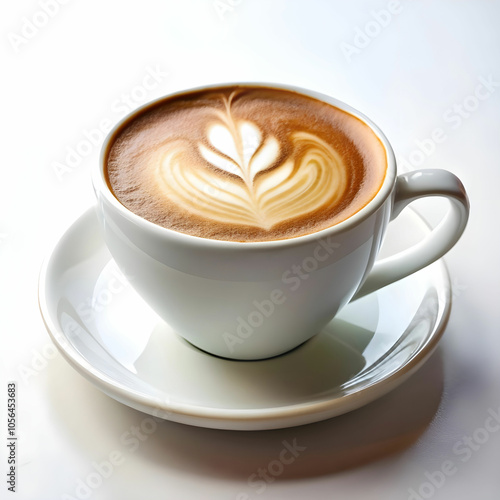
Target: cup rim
102,188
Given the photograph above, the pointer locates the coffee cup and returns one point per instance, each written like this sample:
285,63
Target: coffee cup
265,285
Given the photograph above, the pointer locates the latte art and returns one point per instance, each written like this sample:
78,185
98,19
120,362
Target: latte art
260,190
245,164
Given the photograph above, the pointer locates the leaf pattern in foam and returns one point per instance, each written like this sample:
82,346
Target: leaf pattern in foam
238,148
314,177
201,192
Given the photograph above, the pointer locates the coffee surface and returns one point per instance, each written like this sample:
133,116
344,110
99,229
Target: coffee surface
245,164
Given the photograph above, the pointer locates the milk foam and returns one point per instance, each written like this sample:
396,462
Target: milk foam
312,177
235,164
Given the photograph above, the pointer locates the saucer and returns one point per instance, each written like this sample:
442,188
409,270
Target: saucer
112,337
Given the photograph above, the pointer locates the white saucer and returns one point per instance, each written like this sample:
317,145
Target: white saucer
106,331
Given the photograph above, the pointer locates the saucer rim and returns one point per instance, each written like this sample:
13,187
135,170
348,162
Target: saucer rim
238,418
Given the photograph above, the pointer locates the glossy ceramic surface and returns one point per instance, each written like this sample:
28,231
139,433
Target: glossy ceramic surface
109,334
263,299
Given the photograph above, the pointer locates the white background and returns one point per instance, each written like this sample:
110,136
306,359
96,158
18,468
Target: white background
65,77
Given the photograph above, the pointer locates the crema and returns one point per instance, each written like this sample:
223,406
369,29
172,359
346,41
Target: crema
245,163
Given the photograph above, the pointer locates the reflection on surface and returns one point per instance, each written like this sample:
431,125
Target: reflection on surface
122,337
380,429
368,339
120,340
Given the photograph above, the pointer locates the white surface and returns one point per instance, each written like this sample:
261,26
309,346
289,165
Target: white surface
72,76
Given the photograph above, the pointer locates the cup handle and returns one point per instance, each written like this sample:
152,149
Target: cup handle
409,187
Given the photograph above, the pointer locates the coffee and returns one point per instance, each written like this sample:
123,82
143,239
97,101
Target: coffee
245,163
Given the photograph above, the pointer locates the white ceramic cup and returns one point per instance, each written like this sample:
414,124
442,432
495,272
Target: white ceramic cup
255,300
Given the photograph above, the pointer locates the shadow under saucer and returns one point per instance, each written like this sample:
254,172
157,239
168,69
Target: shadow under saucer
378,430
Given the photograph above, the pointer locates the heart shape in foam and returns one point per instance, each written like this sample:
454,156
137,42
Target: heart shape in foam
240,178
